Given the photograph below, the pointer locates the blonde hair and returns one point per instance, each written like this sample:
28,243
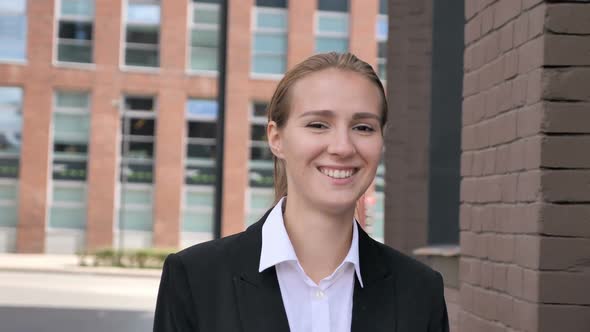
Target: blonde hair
278,108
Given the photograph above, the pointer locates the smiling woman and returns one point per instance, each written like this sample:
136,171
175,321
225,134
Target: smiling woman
307,265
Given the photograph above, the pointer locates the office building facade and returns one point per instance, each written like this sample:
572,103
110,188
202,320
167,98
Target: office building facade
108,112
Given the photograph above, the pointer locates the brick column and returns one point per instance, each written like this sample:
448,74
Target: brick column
104,127
301,37
235,173
525,236
32,191
406,156
169,166
102,166
363,36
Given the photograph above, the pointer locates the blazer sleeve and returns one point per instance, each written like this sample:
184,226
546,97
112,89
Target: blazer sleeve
175,310
439,319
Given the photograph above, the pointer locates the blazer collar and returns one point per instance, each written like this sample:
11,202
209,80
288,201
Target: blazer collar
258,294
259,299
277,247
374,305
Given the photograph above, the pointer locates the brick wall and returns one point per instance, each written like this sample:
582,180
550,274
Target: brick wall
525,193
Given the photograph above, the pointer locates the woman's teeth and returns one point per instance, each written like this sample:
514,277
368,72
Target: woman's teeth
337,174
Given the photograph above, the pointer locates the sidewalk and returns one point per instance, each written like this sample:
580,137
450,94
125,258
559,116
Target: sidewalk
47,263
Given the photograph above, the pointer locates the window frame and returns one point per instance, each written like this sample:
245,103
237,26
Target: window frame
250,211
201,26
60,183
123,52
197,140
254,29
257,120
25,13
381,39
122,206
124,161
192,208
141,114
330,34
196,188
73,18
10,202
15,155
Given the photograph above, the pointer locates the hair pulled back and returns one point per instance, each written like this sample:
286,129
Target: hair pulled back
278,108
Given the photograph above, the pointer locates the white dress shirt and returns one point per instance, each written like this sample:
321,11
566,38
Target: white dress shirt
310,307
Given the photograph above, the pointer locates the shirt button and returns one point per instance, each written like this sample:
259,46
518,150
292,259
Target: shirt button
319,294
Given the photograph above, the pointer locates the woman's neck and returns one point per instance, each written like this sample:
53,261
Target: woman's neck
321,240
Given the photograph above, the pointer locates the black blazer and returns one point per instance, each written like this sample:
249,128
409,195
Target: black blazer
216,286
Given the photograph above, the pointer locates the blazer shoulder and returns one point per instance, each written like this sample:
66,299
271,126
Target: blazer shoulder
227,253
213,251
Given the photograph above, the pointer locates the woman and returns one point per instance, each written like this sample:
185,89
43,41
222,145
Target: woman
307,265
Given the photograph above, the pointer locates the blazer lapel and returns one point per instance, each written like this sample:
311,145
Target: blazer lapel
373,306
258,295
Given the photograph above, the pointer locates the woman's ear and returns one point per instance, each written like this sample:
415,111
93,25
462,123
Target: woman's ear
274,139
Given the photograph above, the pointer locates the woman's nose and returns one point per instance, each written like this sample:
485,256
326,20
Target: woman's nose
341,144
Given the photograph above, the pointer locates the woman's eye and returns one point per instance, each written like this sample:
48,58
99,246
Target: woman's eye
317,125
364,128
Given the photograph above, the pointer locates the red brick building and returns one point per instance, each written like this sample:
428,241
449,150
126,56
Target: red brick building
108,113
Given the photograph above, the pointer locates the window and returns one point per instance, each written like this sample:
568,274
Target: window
199,188
13,30
142,33
204,35
331,26
11,99
381,30
137,158
269,49
71,127
374,205
261,193
75,26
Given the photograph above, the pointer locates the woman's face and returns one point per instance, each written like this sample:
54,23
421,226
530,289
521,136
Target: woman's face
332,141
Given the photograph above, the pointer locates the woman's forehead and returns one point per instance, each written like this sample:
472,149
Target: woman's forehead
335,90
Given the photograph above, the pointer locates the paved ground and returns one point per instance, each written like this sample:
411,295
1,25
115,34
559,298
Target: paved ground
31,319
51,293
77,291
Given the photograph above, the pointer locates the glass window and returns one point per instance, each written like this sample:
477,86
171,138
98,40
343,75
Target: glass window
11,99
331,31
71,130
383,7
201,131
142,33
271,3
258,202
138,138
138,131
260,176
74,36
13,30
381,31
269,49
204,36
333,5
197,215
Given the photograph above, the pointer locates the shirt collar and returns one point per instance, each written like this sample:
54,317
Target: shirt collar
277,247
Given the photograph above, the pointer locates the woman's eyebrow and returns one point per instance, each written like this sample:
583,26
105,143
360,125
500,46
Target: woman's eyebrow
329,113
365,115
325,113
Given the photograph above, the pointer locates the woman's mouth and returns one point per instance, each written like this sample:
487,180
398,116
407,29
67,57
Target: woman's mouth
341,173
